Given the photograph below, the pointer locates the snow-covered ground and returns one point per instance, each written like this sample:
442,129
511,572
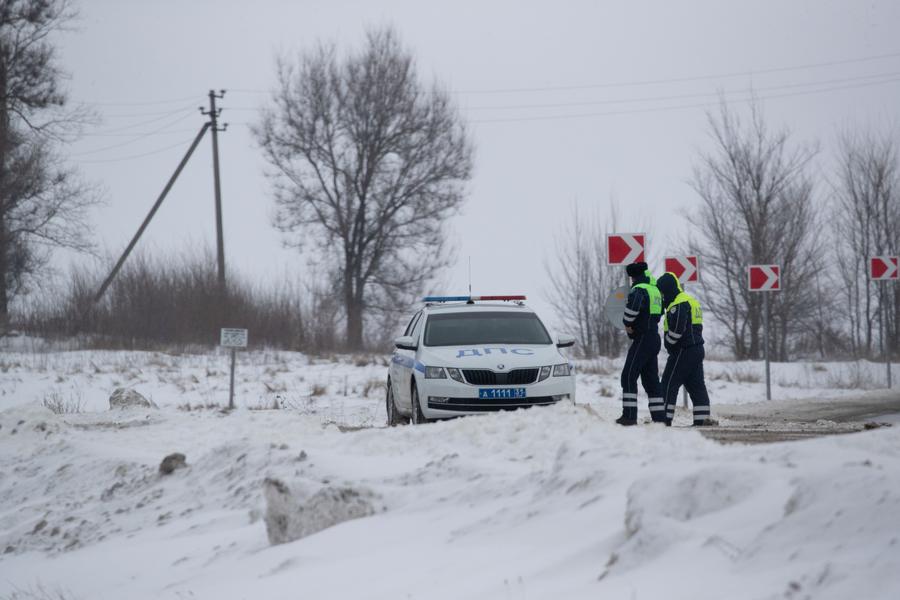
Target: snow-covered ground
546,503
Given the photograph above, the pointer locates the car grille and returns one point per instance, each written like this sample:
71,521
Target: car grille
471,405
488,377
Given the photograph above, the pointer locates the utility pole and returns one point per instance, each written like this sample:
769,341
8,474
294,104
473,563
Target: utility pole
213,125
213,114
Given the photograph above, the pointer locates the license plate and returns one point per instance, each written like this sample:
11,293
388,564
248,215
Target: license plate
500,393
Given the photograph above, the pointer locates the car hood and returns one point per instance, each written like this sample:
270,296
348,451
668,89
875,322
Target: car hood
491,357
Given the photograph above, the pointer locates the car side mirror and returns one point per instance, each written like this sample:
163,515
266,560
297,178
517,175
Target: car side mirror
405,342
565,341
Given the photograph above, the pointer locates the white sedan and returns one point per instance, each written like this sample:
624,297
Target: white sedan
459,357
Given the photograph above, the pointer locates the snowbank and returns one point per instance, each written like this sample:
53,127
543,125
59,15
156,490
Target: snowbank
554,502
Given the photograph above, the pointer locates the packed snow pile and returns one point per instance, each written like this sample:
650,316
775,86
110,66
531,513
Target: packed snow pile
290,517
554,502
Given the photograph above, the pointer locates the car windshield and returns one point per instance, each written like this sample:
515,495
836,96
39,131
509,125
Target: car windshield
479,328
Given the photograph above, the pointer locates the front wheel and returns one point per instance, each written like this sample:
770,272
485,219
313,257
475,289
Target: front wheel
394,417
417,418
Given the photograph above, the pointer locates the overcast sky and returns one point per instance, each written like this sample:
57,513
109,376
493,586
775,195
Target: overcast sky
569,102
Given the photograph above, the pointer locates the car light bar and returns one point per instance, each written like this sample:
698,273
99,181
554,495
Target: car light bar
446,298
471,298
498,297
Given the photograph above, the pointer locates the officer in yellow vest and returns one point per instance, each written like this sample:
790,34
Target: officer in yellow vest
643,310
683,327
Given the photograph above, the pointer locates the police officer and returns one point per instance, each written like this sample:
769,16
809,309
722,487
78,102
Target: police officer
683,327
643,310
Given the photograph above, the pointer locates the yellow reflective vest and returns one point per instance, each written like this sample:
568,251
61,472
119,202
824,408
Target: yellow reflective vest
696,311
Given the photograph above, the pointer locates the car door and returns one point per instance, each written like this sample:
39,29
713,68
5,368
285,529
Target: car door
410,362
402,364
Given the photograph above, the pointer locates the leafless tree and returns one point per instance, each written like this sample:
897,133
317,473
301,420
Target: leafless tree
367,165
866,221
43,203
757,207
581,280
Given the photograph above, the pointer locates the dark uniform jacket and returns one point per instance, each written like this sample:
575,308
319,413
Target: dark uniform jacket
637,312
681,332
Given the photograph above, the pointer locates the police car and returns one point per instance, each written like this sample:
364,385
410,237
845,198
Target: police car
464,355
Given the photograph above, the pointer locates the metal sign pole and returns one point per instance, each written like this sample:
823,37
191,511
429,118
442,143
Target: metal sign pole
765,296
233,339
684,394
883,331
231,387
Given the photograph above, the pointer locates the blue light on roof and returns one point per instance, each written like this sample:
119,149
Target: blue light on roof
446,298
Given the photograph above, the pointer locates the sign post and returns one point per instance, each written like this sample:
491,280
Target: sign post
687,270
765,278
234,339
884,268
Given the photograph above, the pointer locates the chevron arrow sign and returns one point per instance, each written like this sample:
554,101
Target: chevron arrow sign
625,248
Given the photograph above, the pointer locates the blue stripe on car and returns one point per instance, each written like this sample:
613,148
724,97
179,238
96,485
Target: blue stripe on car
403,361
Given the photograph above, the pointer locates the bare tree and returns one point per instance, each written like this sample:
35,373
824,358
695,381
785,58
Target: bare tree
866,221
757,208
581,280
43,203
368,164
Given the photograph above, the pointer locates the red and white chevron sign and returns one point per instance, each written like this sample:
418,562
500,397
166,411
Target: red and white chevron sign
625,248
884,267
685,268
764,278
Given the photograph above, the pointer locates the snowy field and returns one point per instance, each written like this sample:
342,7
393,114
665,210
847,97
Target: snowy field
555,502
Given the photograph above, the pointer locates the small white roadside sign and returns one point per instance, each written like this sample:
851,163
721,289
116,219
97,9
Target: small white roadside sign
233,338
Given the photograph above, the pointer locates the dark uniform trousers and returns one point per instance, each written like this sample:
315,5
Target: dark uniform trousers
641,362
685,367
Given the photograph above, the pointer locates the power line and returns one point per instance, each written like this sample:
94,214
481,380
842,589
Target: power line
145,114
150,103
141,134
680,79
135,156
686,96
876,76
137,137
601,85
678,107
115,131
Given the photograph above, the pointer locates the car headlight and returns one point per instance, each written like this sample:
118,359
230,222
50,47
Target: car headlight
435,373
455,375
545,373
563,370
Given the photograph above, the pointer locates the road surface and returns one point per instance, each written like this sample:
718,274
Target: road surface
779,421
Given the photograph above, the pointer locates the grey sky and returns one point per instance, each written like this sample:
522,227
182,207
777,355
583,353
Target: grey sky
530,172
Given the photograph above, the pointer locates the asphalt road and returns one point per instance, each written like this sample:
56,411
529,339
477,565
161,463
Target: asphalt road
787,420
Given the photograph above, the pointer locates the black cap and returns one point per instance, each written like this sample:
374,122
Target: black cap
636,269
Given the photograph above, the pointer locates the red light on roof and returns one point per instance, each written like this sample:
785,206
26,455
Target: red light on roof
498,298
